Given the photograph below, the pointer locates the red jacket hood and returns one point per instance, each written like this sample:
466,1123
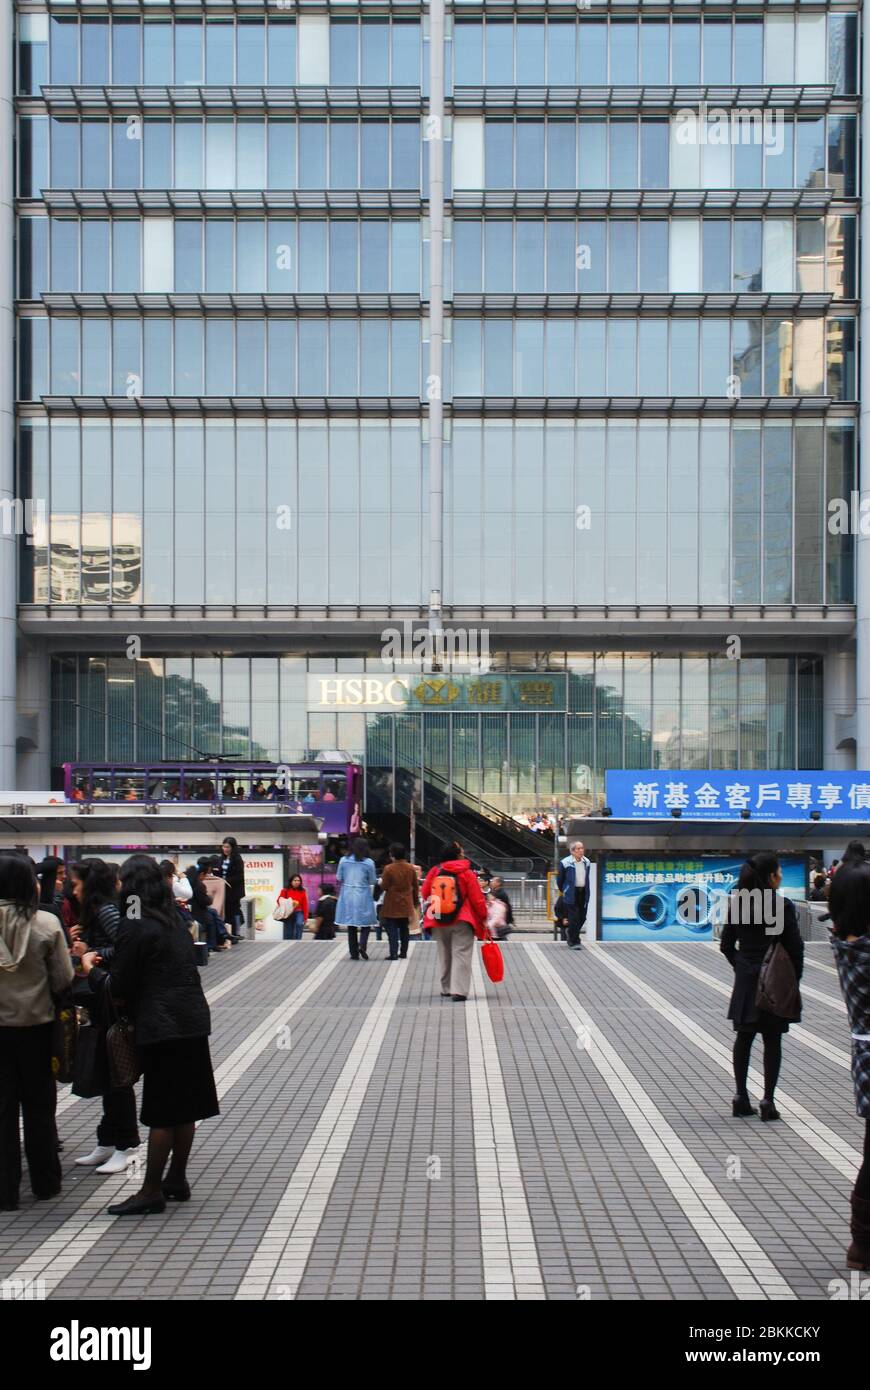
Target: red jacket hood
455,866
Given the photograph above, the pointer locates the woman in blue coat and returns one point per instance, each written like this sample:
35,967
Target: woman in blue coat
355,909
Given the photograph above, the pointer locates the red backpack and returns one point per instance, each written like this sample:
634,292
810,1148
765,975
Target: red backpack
446,899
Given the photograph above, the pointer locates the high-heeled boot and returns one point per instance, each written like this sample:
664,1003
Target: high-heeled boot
858,1254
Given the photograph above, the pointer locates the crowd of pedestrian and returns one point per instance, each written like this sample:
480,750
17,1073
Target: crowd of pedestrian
109,939
96,942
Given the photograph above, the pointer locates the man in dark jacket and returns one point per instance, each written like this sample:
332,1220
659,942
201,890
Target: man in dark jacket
573,883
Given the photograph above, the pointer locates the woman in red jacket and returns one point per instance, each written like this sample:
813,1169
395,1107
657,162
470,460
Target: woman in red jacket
456,913
295,925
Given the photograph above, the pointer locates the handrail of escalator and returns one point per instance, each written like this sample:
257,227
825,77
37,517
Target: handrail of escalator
529,838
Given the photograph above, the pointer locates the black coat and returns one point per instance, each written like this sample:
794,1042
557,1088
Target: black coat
154,972
234,878
744,947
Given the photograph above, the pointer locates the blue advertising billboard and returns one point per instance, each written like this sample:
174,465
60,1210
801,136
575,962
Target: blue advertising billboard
708,795
674,898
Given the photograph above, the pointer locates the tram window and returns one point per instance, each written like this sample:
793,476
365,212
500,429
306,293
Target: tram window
163,787
101,790
129,786
308,789
198,788
81,789
334,788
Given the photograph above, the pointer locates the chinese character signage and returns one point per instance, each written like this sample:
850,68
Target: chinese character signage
663,898
785,796
437,692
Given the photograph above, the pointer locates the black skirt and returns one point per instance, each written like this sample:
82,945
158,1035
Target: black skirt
177,1083
743,1011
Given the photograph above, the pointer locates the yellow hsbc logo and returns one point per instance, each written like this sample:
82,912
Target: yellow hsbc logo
359,692
436,692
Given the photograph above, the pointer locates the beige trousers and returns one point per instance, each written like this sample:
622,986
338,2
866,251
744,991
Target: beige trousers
455,951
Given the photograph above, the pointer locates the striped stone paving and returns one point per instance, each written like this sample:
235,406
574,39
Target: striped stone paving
564,1135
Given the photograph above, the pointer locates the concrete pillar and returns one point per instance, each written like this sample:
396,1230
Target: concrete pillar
839,702
862,543
34,712
8,538
435,384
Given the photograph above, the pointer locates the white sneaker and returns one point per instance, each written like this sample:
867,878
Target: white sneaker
119,1161
99,1155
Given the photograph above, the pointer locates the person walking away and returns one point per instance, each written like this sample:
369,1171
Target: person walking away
499,893
756,917
100,922
355,909
401,897
457,914
232,871
572,881
850,942
294,926
35,966
154,972
324,913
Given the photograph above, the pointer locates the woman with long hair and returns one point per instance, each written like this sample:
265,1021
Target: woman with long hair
756,917
154,971
232,871
34,967
52,875
849,904
96,887
355,910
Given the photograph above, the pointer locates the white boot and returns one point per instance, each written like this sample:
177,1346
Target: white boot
99,1155
119,1161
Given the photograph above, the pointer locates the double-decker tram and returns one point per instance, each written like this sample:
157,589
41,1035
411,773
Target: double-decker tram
330,791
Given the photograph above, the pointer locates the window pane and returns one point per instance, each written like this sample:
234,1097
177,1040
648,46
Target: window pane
654,256
499,53
374,256
343,60
343,257
250,53
312,154
375,56
375,139
561,155
343,155
530,154
530,55
95,254
219,52
716,242
250,250
219,257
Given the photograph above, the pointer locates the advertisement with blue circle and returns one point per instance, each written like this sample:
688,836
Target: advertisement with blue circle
665,898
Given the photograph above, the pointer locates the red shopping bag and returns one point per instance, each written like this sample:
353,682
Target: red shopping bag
493,961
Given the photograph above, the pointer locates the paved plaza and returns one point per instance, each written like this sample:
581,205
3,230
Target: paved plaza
564,1135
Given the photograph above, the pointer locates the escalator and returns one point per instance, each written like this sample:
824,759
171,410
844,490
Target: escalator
489,837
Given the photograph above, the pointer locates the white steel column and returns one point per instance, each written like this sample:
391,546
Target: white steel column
839,702
435,383
8,539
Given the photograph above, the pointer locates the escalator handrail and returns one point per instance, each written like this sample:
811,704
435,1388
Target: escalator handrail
526,837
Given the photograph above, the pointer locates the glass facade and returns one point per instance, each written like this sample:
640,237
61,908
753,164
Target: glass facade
594,712
226,380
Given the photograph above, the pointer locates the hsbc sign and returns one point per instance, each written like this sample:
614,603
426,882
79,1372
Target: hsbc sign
358,692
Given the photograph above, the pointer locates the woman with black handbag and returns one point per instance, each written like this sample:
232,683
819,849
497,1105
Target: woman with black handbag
96,888
757,917
35,967
154,973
